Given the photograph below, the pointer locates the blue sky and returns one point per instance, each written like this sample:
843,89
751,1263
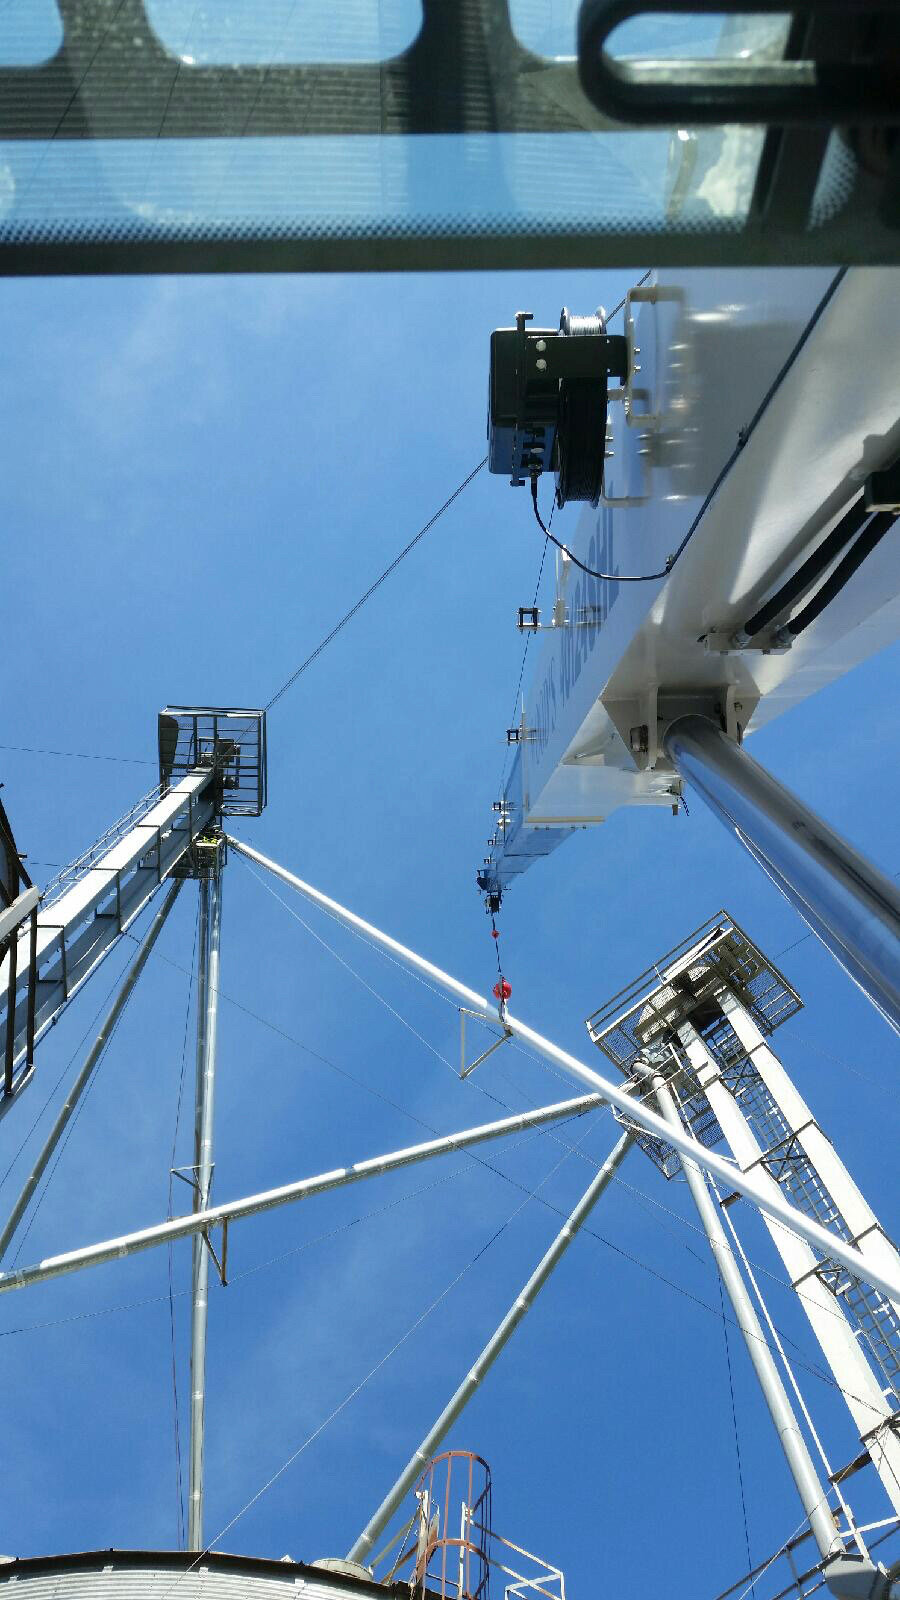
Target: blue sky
200,476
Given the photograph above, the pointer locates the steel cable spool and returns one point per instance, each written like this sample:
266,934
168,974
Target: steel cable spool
581,435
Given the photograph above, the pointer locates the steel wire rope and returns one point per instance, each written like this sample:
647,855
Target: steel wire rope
79,755
392,567
807,935
179,1482
420,1121
546,1133
775,1277
482,1250
300,1044
180,57
647,1200
430,1128
619,1250
528,636
237,1277
76,91
323,643
734,1420
378,1094
291,680
352,970
784,1549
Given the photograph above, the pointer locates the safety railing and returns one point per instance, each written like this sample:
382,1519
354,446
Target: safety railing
454,1560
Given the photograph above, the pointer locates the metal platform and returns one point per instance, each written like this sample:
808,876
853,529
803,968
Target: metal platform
681,987
228,738
676,987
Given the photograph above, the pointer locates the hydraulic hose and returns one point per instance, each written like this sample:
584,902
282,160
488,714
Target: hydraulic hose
806,575
843,572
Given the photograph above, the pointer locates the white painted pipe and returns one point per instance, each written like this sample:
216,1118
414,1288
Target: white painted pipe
634,1110
207,1020
129,1244
498,1340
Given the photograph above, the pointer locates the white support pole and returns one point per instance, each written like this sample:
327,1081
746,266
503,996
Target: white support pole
130,1244
812,1495
207,1017
523,1303
90,1062
771,1203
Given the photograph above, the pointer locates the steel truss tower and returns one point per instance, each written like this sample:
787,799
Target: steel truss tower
693,1034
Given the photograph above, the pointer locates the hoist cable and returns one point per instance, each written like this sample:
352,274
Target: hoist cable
392,567
515,709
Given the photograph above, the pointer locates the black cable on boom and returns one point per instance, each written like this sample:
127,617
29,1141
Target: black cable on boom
607,577
811,569
871,535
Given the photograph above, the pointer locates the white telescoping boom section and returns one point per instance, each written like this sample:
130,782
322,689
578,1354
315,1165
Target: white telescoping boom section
755,440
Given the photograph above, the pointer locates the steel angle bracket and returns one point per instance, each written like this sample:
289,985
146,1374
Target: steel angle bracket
480,1016
220,1266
